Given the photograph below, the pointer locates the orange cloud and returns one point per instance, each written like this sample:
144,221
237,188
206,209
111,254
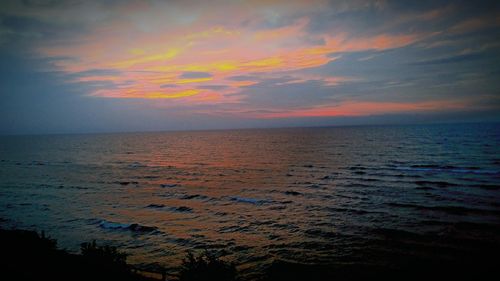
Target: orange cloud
145,94
150,62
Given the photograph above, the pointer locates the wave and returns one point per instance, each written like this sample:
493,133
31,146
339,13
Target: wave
318,232
126,182
454,210
356,185
332,176
486,186
249,200
125,226
350,210
435,183
364,179
169,185
136,165
155,206
445,169
181,209
391,175
355,168
233,228
194,196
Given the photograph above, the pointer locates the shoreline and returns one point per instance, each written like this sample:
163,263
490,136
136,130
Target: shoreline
28,255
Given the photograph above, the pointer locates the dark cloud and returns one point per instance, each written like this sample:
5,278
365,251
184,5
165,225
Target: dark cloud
452,59
213,87
48,3
275,93
195,74
243,78
168,86
97,72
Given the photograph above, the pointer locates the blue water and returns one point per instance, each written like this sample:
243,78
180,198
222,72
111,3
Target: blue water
309,195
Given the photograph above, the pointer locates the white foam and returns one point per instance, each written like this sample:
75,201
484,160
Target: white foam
113,225
248,200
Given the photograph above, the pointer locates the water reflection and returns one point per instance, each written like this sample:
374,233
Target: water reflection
303,195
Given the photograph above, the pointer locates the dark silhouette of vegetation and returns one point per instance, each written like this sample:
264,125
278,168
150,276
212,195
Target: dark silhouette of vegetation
397,255
104,254
26,255
206,267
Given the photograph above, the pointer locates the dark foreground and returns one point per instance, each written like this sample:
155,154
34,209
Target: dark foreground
27,255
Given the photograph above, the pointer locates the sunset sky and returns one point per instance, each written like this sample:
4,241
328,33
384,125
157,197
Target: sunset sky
99,66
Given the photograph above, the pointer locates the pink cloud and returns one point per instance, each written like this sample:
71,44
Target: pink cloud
148,53
353,108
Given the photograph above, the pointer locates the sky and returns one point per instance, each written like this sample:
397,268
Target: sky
113,66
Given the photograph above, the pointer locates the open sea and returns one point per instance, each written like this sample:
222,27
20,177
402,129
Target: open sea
301,195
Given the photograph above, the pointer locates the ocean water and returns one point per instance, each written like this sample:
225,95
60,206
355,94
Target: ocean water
305,195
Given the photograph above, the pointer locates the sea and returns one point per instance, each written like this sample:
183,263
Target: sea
257,196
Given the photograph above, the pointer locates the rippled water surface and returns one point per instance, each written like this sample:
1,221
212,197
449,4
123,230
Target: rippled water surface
309,195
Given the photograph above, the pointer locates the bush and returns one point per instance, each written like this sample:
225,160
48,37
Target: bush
103,254
22,242
206,267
